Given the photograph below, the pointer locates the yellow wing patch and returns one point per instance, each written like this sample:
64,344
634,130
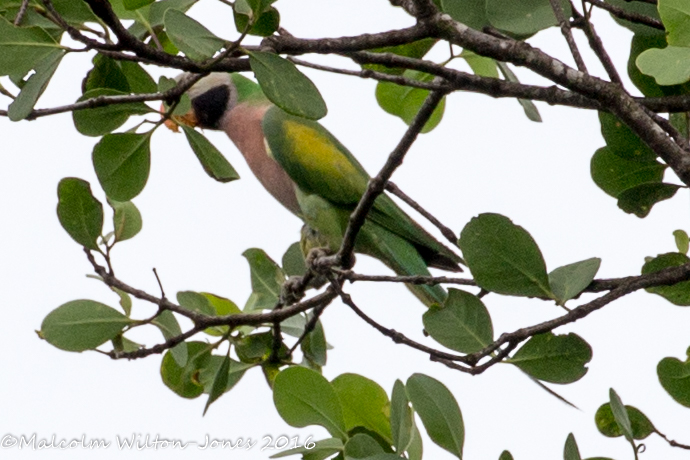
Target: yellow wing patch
319,154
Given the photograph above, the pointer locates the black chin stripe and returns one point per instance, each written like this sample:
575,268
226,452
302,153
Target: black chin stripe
210,106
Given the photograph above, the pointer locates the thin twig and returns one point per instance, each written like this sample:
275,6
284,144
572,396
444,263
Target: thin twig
102,101
671,441
597,45
160,285
394,335
351,276
568,34
366,73
22,11
628,15
309,327
447,232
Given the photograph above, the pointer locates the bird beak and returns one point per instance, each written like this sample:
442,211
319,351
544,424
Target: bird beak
172,123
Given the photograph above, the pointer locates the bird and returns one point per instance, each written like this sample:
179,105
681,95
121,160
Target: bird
312,174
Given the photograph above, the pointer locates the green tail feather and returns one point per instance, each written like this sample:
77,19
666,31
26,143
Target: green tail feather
401,257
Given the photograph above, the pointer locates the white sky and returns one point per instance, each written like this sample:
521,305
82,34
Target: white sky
484,157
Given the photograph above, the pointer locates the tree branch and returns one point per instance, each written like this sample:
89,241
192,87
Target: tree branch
447,232
628,15
597,46
568,34
351,276
611,96
287,44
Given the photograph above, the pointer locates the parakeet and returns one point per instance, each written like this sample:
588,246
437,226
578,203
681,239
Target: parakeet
315,177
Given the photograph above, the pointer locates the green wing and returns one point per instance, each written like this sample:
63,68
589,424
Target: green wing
319,164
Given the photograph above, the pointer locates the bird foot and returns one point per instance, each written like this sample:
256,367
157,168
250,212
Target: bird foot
292,290
321,260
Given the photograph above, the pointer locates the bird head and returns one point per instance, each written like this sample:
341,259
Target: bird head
212,98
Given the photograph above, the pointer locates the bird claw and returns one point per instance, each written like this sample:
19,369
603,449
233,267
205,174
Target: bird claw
292,290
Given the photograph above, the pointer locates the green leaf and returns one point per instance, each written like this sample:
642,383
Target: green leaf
220,382
362,446
314,345
22,106
303,397
184,378
472,13
570,451
195,302
213,162
80,214
126,220
462,324
415,450
321,450
167,323
123,76
505,455
82,325
136,4
674,376
267,279
158,9
74,12
207,374
639,423
122,162
294,325
385,456
287,87
244,8
103,120
620,414
184,106
668,66
401,418
614,174
528,106
139,79
570,280
679,293
682,241
675,14
267,23
293,261
439,412
525,17
622,141
121,343
643,8
190,36
123,13
480,65
646,84
254,348
640,199
681,122
23,48
405,101
106,73
364,404
503,257
221,307
415,50
125,300
554,358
